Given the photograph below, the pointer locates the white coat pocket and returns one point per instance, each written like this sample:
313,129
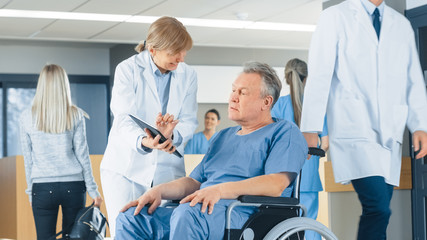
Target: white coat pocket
350,119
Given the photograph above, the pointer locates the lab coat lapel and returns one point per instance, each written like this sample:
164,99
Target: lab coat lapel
364,19
147,74
174,92
386,23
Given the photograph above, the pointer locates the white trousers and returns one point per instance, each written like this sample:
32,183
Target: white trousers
118,191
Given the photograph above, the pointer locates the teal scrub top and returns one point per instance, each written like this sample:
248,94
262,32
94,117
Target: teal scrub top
310,179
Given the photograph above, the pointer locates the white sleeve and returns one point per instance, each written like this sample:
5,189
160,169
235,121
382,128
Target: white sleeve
417,100
188,115
27,152
123,102
321,66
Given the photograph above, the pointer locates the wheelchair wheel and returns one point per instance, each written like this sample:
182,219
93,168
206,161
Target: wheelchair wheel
290,226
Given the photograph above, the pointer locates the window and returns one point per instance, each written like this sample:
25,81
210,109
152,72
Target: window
90,93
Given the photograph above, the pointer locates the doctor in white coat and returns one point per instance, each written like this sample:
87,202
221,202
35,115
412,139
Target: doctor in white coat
157,87
364,73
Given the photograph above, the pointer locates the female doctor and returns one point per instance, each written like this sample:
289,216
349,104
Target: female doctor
157,87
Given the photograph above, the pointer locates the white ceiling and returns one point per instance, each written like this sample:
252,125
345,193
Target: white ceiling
282,11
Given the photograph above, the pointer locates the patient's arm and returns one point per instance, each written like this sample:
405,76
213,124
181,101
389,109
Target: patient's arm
176,189
265,185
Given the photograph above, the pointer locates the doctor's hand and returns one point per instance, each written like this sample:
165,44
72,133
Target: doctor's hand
311,139
419,140
153,143
152,197
208,197
166,124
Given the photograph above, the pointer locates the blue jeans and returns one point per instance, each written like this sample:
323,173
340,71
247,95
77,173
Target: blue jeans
375,196
46,199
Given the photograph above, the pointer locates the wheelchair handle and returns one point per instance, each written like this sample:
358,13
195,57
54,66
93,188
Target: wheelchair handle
316,151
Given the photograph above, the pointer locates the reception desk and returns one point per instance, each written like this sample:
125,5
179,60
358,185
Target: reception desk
339,208
17,220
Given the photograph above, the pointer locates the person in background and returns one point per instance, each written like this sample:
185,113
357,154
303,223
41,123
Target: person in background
199,144
156,86
289,108
56,156
365,74
261,156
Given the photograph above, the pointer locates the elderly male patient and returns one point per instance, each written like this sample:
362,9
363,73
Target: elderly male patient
261,156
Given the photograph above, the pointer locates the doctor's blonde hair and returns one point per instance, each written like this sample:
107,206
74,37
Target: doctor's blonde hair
52,109
166,33
295,74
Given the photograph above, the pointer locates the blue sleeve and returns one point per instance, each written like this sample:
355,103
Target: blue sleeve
325,128
288,151
189,148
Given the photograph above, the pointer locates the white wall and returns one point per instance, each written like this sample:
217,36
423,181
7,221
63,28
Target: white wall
415,3
215,82
24,57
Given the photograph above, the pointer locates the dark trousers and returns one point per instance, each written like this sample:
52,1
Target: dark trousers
375,196
46,199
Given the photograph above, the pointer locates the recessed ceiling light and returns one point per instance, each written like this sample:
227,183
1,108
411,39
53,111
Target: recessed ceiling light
197,22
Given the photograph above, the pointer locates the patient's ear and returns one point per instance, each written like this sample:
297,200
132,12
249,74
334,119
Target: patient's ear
268,101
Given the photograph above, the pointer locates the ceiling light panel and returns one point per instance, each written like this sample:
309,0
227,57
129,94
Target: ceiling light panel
74,29
125,32
126,7
256,10
26,28
45,5
188,8
310,10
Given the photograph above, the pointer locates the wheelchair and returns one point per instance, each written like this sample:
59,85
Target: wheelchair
277,217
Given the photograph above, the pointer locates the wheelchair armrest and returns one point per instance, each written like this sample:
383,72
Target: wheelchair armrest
316,151
268,200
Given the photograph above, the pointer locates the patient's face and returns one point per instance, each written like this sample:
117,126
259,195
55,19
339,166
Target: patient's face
245,101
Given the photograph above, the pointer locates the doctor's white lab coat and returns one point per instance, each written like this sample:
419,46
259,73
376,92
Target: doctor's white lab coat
134,92
369,88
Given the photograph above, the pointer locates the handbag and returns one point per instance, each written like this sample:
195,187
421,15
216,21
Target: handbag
90,224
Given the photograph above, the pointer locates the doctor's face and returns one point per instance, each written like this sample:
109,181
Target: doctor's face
165,60
245,101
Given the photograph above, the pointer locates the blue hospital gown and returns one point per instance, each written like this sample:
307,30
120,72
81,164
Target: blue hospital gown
277,147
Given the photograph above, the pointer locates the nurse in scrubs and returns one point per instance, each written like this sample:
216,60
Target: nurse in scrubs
199,144
156,86
289,108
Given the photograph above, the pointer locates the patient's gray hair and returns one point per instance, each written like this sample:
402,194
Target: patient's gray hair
271,83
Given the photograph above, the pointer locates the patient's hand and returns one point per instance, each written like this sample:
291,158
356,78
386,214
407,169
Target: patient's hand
153,197
208,197
166,124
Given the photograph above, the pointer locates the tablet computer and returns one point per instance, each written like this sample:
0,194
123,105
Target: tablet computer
153,131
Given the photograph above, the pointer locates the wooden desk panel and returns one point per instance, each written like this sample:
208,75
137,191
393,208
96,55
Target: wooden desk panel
332,186
8,203
15,204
